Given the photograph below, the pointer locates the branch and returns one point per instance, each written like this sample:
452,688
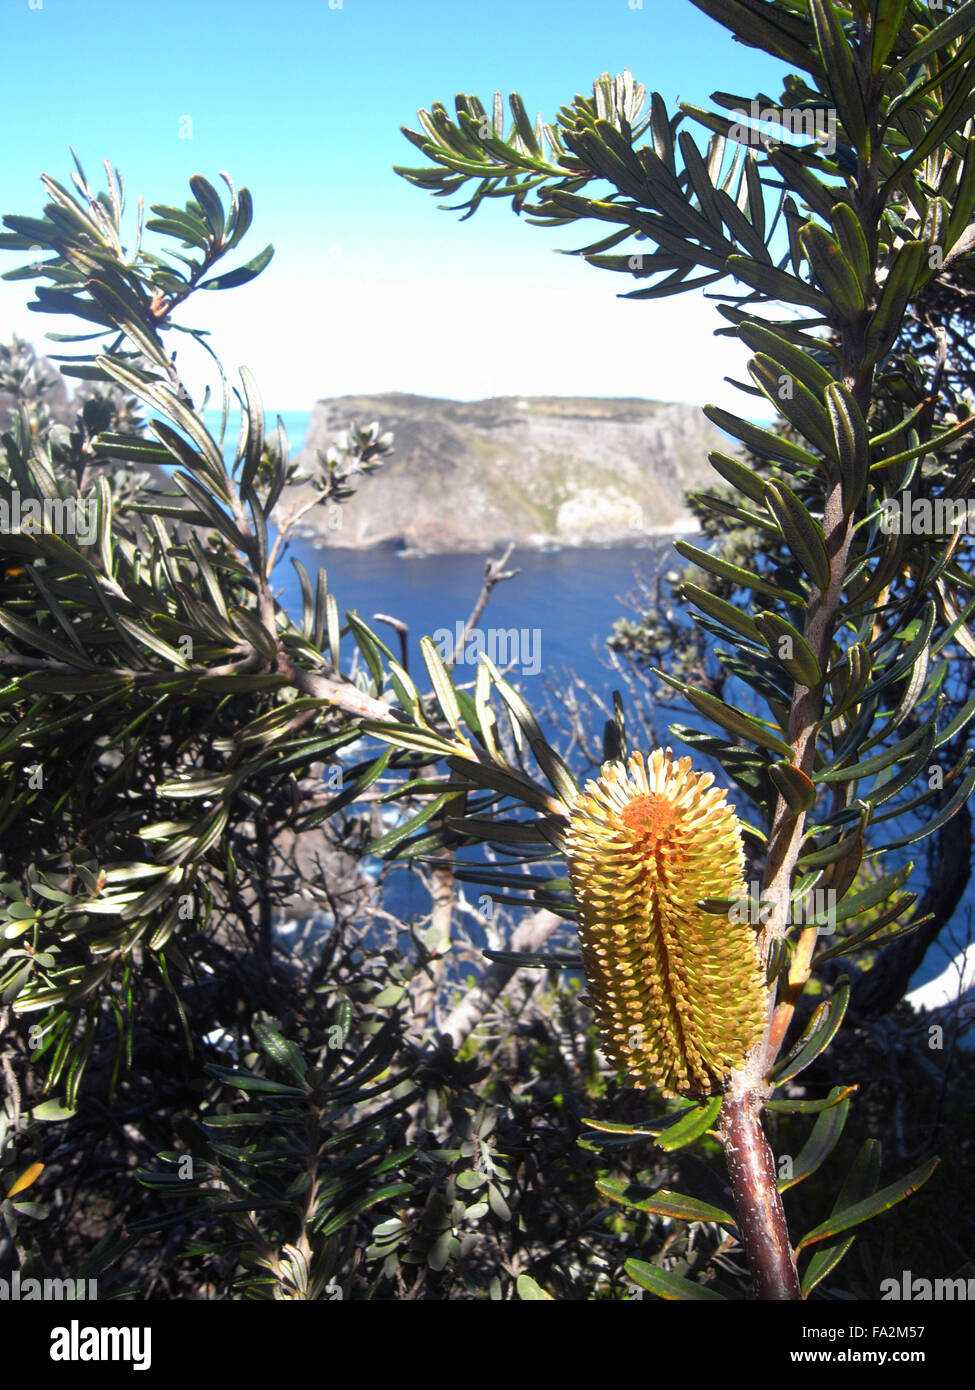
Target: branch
758,1203
494,573
529,935
344,695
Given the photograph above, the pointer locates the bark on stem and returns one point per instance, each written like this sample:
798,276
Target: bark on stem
758,1203
751,1166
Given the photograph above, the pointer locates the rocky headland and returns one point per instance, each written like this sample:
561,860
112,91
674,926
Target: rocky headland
536,470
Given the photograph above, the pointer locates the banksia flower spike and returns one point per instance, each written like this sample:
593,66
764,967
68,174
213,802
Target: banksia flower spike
678,993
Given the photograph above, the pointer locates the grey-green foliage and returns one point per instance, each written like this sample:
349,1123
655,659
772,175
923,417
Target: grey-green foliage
135,759
846,642
160,714
277,1177
152,722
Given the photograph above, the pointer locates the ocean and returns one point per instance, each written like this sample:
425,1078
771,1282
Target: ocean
562,606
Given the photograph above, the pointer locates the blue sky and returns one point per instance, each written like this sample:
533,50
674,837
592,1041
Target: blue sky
372,288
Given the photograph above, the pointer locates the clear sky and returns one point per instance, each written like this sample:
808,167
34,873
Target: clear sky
372,288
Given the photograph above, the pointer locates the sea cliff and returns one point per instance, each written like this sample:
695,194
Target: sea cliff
539,471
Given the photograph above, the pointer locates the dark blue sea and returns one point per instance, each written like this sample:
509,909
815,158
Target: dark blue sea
566,601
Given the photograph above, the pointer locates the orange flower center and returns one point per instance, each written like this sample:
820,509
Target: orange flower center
651,816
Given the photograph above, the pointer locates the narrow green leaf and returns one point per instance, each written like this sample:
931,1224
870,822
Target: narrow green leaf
885,323
832,271
834,852
862,1179
802,533
243,216
763,442
209,200
871,1206
852,242
823,1262
307,600
333,627
852,449
254,631
777,285
739,228
744,479
321,610
792,164
248,1081
500,831
794,786
840,71
781,33
944,33
741,725
552,765
164,399
664,1203
791,359
250,270
849,680
41,642
700,180
372,648
878,892
521,788
811,1107
793,400
611,1127
216,517
817,1034
149,639
723,612
280,1050
857,940
173,222
954,805
724,569
822,1141
407,694
443,686
198,465
790,649
690,1126
662,1282
934,445
393,838
870,766
253,418
410,736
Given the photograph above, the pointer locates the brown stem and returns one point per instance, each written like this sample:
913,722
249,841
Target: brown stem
494,573
342,694
286,526
785,841
761,1219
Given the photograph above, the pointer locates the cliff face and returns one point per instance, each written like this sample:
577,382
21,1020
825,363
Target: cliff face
469,475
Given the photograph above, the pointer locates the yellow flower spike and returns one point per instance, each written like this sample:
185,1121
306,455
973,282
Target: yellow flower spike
678,994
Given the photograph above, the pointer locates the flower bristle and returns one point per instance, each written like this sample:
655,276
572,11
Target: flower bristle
678,993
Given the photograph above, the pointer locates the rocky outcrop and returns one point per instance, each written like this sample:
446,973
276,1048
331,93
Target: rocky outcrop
550,470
